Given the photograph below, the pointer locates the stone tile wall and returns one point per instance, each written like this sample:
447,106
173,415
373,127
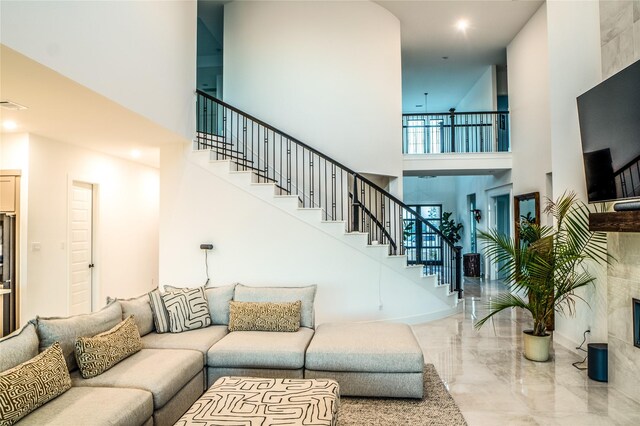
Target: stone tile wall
619,35
620,42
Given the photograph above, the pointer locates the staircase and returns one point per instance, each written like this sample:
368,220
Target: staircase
304,183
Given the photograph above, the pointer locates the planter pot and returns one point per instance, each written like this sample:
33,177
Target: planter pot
536,348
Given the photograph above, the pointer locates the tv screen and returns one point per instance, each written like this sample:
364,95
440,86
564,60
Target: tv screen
609,116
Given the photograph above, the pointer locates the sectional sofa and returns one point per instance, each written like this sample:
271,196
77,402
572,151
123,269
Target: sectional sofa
158,383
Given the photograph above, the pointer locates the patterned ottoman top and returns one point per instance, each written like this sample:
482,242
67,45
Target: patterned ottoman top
256,401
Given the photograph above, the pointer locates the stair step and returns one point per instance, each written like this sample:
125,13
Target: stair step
310,214
265,189
288,200
337,227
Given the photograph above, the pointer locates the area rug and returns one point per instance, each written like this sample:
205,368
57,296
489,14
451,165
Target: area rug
437,408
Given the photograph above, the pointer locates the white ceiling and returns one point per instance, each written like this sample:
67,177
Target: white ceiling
429,33
61,109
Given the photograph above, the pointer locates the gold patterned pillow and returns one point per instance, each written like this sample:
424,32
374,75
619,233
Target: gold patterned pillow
264,316
97,354
31,384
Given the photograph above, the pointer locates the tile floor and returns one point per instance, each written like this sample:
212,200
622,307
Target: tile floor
493,384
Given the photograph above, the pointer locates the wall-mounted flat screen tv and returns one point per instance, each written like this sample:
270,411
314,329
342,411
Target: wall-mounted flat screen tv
609,116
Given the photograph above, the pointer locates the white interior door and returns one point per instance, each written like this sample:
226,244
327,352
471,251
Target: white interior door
81,247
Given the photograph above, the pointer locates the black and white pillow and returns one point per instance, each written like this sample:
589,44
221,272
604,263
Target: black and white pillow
187,309
160,314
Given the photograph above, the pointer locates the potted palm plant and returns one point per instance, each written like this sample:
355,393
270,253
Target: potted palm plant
545,268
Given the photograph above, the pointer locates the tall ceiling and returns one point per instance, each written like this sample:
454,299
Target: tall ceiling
428,34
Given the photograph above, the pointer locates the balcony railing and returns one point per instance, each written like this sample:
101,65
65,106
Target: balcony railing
452,132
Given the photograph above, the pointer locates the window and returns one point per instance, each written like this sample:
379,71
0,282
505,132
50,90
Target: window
423,244
415,137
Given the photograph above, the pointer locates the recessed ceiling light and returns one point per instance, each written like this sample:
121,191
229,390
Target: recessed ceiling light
9,125
135,153
462,25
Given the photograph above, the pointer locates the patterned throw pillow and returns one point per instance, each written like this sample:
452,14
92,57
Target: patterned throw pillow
160,314
31,384
188,309
267,316
97,354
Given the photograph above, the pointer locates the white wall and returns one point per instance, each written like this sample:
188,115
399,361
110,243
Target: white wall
528,73
438,190
574,67
259,244
482,186
482,96
140,54
126,233
327,73
14,155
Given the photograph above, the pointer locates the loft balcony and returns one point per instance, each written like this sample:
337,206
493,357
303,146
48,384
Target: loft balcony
455,143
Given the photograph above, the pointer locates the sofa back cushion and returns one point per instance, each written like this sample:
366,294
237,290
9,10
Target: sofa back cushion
67,329
219,298
306,295
140,308
18,347
31,384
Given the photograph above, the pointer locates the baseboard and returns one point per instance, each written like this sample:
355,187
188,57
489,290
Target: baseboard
568,344
417,319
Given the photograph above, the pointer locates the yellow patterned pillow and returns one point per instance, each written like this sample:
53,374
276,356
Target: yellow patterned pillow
97,354
264,316
31,384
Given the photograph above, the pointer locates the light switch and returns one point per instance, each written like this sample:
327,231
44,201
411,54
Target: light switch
36,246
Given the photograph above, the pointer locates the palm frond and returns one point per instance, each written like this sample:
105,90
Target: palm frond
549,264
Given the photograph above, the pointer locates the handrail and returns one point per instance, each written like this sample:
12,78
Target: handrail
455,132
318,180
376,222
416,114
273,129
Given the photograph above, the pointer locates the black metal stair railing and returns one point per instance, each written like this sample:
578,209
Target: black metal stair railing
317,180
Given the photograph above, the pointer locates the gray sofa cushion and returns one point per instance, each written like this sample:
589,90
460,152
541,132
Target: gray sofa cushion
67,329
306,295
386,385
219,298
94,406
163,372
18,347
370,347
140,308
261,349
198,340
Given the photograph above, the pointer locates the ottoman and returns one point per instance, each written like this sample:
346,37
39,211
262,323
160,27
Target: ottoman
371,359
262,401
